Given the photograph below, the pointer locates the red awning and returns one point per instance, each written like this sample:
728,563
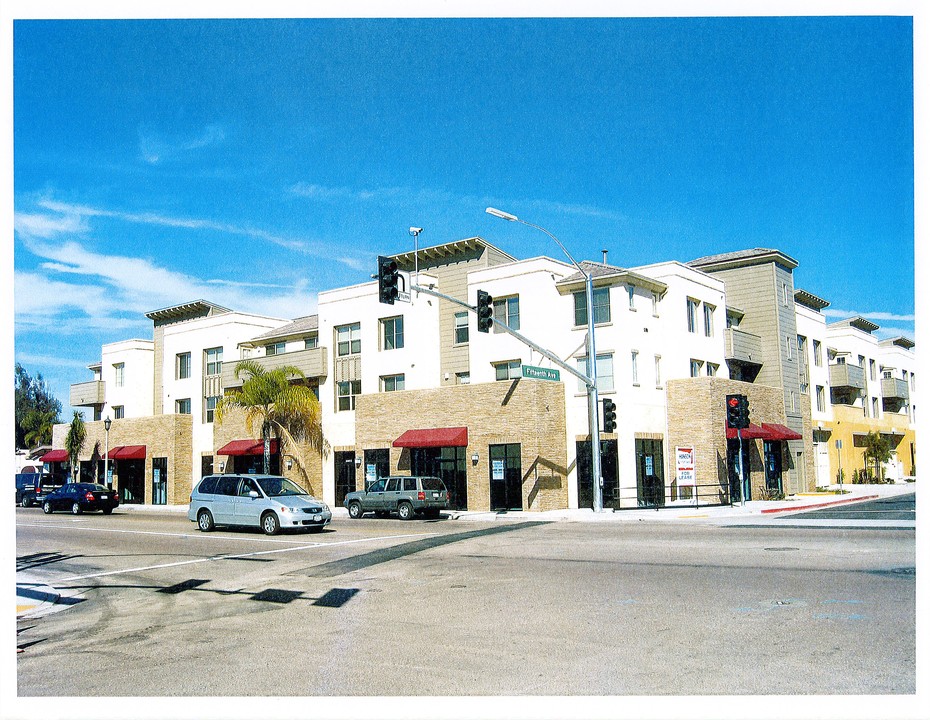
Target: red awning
54,456
780,432
247,447
127,452
436,437
753,432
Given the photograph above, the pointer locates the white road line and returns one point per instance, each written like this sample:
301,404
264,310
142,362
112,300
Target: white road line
237,555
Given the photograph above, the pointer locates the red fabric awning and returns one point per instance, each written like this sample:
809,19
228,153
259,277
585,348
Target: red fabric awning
436,437
753,432
247,447
127,452
54,456
780,432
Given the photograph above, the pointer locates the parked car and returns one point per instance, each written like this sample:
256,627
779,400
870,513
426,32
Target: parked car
81,497
407,495
270,502
32,488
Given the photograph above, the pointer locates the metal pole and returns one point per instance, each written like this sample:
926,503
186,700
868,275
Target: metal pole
106,454
597,480
742,480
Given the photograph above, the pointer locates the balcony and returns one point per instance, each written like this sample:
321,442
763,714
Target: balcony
843,375
742,346
311,362
894,389
88,394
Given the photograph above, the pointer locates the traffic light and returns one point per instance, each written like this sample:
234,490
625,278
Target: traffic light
737,411
387,280
485,309
610,415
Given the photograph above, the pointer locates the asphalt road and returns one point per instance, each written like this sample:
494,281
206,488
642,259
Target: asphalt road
437,608
898,507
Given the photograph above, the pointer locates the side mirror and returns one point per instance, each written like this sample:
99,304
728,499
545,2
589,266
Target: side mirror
254,494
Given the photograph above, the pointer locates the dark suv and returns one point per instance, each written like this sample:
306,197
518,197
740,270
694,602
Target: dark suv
32,488
408,496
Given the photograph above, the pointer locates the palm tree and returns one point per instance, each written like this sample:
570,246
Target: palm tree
74,443
288,410
37,426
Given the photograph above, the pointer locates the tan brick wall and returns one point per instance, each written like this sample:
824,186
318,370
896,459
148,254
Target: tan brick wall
697,417
528,412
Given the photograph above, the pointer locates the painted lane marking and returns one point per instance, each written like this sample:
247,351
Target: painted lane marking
216,558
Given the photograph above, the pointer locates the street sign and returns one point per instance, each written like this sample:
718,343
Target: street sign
403,286
538,373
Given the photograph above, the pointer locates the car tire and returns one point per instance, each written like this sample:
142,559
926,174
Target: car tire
47,507
355,510
205,521
270,524
107,511
405,511
26,502
75,508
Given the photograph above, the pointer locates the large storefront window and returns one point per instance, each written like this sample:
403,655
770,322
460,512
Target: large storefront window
159,481
448,464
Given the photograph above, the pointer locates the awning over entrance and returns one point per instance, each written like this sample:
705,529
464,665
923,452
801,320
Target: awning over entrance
247,447
780,432
127,452
434,438
753,432
55,456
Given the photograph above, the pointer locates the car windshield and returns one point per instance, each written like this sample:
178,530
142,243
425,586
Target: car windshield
432,483
279,486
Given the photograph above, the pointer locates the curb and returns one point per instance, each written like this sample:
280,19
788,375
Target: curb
844,501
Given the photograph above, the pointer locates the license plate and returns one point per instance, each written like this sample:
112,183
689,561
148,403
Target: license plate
317,518
103,497
436,495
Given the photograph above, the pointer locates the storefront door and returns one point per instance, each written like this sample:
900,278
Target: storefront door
448,464
345,475
506,477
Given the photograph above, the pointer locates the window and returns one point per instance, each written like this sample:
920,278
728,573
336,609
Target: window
507,311
210,408
508,370
709,320
793,400
461,328
119,370
392,383
346,392
692,315
789,353
119,412
182,407
821,399
655,304
875,411
214,361
274,348
871,369
604,370
463,378
712,369
392,332
658,371
862,361
183,366
348,340
311,342
631,292
696,366
818,360
601,307
634,360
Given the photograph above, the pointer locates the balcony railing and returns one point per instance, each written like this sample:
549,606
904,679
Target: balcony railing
895,389
88,394
844,375
311,362
742,346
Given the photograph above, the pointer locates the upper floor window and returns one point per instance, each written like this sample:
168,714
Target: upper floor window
210,408
183,366
510,370
604,368
392,331
392,383
348,340
214,361
712,369
183,407
655,304
709,320
789,352
872,369
311,342
631,293
821,399
275,348
818,359
346,393
696,366
461,328
119,370
601,306
507,311
119,412
634,361
692,314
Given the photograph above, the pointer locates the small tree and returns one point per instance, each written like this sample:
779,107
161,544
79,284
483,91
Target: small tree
878,451
74,443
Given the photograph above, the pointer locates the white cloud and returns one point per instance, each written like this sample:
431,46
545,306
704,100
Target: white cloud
876,316
155,148
47,226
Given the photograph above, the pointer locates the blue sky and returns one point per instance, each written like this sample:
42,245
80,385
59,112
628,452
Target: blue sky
255,163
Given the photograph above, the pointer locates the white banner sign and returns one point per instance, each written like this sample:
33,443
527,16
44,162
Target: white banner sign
684,467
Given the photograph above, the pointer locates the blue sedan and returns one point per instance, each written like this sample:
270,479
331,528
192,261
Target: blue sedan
81,497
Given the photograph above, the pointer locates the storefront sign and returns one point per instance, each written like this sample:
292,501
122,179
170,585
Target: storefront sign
684,467
538,373
497,469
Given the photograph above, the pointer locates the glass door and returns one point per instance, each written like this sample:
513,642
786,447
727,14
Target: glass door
506,477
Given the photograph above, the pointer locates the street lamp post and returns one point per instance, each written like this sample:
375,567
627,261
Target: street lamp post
596,479
106,452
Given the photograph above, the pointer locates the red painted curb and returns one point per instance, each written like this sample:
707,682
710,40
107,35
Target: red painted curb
821,505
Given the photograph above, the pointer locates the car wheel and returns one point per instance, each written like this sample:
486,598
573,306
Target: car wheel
107,511
26,502
76,509
205,521
355,510
405,511
270,524
47,507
